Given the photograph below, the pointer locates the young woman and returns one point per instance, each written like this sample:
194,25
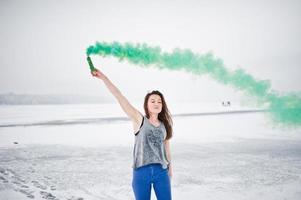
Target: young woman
151,154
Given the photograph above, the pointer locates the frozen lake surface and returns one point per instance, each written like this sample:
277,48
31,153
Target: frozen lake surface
221,155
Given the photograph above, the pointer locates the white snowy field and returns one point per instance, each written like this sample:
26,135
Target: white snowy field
85,152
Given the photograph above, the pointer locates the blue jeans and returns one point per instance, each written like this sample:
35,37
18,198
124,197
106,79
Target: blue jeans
145,176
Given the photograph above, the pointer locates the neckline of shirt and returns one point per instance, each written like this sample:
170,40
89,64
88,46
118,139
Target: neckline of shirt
153,124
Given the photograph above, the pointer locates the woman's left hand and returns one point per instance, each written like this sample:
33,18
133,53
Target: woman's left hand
170,171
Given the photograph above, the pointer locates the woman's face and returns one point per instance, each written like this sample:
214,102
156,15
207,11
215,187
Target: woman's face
154,104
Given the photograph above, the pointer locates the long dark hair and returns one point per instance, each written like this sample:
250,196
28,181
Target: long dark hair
164,116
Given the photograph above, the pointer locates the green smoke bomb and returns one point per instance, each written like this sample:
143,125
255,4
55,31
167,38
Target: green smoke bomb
92,68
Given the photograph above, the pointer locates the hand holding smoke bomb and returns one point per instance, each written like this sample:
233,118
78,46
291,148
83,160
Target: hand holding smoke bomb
95,72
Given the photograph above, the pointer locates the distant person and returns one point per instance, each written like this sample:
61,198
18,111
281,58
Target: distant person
151,154
226,104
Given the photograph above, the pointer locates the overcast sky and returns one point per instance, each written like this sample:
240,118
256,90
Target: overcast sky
43,44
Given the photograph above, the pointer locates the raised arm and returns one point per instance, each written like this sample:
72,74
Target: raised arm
131,111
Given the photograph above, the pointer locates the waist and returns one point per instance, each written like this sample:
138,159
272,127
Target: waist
151,165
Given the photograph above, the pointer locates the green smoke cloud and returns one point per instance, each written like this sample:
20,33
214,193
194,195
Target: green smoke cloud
283,109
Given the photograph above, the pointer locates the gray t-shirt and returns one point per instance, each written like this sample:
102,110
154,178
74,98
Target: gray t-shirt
149,145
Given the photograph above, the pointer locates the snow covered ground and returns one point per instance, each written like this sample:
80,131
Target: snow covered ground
85,152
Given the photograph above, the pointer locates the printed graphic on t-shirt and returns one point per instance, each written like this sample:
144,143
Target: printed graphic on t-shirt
155,137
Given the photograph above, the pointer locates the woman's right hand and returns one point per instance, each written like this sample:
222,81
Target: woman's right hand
98,74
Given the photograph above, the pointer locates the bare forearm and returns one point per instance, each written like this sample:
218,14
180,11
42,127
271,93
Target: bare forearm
169,157
124,103
168,151
113,89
